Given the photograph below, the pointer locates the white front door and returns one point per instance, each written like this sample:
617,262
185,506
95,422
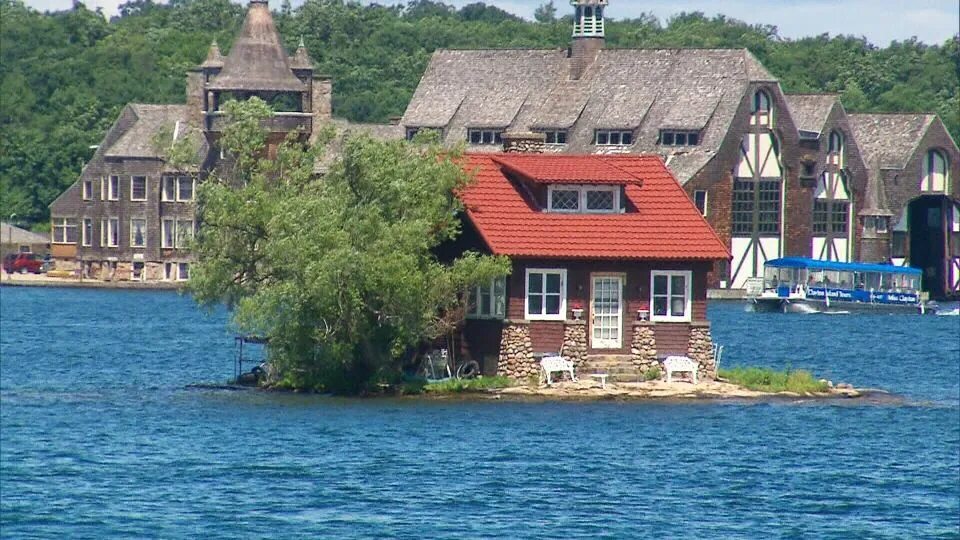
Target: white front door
607,310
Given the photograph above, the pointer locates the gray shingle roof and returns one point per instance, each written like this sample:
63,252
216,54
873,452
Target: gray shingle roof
16,235
257,61
151,120
643,90
810,111
888,140
381,132
214,57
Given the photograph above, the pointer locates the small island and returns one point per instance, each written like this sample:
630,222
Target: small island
736,383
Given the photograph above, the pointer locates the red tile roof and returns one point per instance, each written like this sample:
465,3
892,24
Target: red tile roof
565,169
665,225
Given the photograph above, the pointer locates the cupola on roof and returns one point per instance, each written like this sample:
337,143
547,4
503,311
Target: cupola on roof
257,61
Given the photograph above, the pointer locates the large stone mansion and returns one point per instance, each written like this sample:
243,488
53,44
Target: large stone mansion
775,174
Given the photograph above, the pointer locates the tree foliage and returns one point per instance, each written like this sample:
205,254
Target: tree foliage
64,76
339,272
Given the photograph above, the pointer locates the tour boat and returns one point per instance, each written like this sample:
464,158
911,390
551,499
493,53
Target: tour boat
802,285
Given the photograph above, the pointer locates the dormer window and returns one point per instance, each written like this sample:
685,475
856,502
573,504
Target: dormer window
761,110
671,137
574,198
613,137
554,136
484,136
412,132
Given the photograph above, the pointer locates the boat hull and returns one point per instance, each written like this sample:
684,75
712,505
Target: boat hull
788,305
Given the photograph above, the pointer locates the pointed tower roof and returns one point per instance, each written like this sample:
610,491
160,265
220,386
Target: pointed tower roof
875,198
214,57
257,61
301,59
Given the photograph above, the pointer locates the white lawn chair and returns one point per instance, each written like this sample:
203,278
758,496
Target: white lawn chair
555,364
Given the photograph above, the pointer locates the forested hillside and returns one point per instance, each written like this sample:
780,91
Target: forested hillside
66,75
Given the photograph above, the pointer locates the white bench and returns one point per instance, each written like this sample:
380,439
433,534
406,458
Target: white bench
680,364
556,364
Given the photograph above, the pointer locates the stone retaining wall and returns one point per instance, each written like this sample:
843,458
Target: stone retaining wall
516,351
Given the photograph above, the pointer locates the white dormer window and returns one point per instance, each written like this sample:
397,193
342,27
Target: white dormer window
484,136
671,137
761,109
573,198
613,137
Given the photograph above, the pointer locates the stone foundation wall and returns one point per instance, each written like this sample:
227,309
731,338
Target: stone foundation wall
701,350
516,351
643,349
575,342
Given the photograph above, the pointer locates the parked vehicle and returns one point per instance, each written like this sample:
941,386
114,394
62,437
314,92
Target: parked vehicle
22,262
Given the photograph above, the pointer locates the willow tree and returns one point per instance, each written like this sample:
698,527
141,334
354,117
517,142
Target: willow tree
340,270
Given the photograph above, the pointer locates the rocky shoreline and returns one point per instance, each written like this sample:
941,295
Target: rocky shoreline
584,390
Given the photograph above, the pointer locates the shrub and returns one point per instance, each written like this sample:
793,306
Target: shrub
651,374
767,380
457,386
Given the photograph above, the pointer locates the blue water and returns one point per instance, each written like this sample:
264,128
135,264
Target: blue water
100,438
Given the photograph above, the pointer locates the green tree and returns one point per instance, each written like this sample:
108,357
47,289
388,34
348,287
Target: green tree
340,272
545,13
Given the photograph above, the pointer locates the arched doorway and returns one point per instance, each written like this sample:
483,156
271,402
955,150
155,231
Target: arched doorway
929,227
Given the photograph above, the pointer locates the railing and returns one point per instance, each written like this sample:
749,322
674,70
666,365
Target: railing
280,122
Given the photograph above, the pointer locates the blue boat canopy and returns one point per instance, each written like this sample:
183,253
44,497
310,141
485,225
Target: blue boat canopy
804,262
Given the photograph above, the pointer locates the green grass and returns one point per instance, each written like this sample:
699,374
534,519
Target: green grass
767,380
457,386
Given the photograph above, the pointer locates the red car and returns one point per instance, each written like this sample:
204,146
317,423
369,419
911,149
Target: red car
22,262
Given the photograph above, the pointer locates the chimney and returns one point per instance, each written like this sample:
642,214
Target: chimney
525,142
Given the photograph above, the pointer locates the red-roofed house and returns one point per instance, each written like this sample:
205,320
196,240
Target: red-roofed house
610,261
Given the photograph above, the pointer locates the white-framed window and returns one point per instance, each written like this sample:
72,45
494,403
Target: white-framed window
87,189
86,233
183,271
184,233
484,136
877,224
670,295
489,301
168,233
113,188
613,137
138,232
168,188
672,137
185,188
578,198
546,294
138,188
700,200
113,232
169,271
555,136
64,231
934,172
